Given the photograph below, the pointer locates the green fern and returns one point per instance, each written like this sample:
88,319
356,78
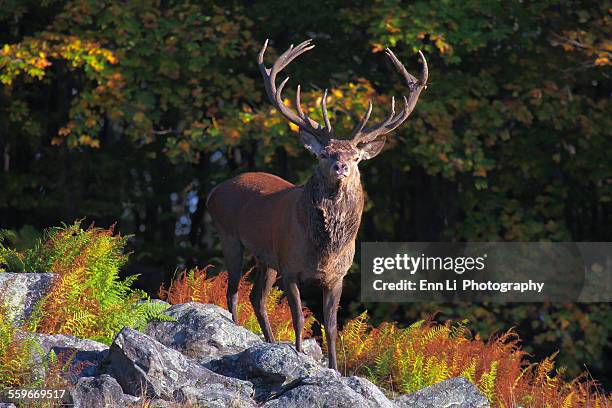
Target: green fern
487,383
89,299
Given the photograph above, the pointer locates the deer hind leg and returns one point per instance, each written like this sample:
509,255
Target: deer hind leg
232,252
293,296
264,279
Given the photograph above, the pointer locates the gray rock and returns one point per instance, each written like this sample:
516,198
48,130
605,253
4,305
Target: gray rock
202,331
213,396
369,391
85,355
21,291
327,389
143,366
277,363
455,392
154,301
100,392
311,348
7,405
160,403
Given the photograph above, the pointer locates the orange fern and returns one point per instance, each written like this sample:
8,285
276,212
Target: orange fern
425,353
195,286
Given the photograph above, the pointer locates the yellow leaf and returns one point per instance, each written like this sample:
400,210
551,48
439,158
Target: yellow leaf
294,127
377,47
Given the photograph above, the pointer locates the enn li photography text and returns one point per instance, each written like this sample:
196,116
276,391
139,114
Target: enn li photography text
459,265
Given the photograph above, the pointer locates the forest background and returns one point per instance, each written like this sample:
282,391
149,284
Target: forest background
130,112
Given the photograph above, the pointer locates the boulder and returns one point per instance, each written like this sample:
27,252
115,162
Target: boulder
456,392
212,396
143,366
202,331
328,389
101,392
268,366
368,391
311,348
277,363
7,405
21,291
85,355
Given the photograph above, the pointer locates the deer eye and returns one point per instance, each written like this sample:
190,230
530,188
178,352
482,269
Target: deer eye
356,159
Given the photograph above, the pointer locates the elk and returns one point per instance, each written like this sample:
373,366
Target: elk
306,233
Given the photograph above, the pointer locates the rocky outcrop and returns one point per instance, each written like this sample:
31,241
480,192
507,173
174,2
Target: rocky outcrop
202,358
453,393
144,366
19,292
101,392
277,363
202,331
327,388
85,355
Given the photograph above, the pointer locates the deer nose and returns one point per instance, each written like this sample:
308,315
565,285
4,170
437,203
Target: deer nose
341,169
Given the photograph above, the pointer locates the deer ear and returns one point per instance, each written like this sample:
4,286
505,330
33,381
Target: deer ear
311,143
371,149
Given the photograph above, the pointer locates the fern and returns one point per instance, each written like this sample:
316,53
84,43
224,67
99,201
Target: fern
88,299
487,382
196,285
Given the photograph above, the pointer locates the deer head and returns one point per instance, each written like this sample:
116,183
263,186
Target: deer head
338,158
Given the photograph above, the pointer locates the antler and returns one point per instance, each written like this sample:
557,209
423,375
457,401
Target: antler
361,134
300,119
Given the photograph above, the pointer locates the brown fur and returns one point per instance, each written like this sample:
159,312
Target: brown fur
302,233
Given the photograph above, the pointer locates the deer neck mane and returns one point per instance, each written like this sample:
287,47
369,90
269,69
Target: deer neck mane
333,212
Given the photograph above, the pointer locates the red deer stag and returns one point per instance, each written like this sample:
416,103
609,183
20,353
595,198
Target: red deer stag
304,233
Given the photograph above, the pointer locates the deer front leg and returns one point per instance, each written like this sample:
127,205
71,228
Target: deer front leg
331,298
264,279
293,296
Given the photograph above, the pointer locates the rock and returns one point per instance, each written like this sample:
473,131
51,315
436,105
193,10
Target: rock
86,355
212,396
456,392
160,403
369,391
277,363
328,389
268,366
7,405
21,291
202,331
143,366
311,348
100,392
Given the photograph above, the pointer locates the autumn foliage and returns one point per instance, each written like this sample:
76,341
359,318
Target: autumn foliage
196,286
19,369
87,298
404,360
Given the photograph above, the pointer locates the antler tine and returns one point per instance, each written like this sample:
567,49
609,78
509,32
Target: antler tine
324,109
363,121
301,113
301,119
361,135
